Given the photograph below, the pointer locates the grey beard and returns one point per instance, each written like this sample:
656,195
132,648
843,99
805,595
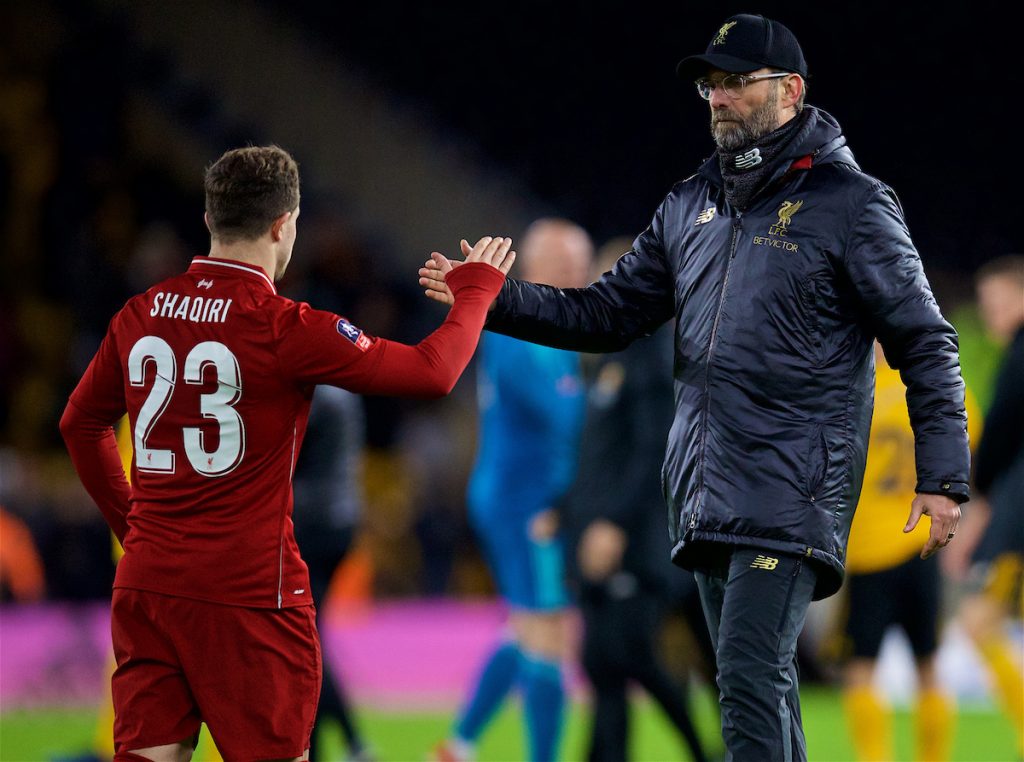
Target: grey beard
732,136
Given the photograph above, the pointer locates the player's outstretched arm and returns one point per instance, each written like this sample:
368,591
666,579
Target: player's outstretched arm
378,366
432,367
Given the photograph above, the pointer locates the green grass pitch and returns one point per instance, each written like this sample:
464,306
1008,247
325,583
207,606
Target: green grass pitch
981,736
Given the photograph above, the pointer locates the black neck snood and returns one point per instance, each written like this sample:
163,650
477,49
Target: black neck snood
745,172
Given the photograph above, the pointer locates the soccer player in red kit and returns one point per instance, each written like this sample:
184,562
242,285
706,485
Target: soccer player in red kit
211,618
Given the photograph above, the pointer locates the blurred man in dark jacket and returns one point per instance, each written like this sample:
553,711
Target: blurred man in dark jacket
328,506
780,262
998,573
625,576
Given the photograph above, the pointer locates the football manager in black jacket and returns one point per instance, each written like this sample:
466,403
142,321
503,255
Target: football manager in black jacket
780,261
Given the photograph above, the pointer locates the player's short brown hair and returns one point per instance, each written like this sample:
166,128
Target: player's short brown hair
247,189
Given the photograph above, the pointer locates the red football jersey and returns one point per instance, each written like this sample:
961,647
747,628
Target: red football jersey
216,372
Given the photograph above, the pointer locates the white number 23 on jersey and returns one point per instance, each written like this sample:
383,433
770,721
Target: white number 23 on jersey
216,405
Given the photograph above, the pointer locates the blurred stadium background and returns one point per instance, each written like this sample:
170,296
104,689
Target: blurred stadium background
416,124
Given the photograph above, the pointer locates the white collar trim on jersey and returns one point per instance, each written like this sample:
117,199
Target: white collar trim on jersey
237,266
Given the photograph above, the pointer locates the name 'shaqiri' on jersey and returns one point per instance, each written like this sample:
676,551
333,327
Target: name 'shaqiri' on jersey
197,309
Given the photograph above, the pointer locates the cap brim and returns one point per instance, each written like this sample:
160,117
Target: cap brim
692,67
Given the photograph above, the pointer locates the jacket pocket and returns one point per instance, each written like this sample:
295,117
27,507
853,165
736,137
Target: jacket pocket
809,299
817,462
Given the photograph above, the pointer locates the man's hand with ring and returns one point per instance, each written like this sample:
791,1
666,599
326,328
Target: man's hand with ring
944,513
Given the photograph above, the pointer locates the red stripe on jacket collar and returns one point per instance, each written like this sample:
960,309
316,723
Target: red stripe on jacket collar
804,162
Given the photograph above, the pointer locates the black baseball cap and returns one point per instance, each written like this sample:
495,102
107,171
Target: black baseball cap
744,43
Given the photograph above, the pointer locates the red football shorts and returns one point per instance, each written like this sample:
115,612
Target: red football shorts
252,675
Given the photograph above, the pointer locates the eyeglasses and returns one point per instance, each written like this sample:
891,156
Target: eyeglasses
733,84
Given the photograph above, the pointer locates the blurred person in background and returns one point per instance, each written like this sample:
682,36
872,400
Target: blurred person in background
780,262
328,505
531,410
995,534
887,585
212,616
21,569
625,577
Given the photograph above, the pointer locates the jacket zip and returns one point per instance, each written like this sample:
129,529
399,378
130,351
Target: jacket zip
736,227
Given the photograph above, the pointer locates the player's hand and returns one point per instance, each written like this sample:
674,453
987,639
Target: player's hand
602,545
945,515
496,252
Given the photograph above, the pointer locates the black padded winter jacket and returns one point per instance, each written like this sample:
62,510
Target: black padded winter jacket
776,309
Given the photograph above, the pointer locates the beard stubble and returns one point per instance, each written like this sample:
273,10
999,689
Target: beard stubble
731,132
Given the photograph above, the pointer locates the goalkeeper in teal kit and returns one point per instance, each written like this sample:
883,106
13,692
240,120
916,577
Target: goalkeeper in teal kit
531,406
531,411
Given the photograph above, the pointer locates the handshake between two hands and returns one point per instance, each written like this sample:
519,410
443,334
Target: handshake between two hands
496,252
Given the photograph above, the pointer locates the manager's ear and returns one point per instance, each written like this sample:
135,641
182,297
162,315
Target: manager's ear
792,90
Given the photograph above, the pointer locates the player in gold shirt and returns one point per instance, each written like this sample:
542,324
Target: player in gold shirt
888,584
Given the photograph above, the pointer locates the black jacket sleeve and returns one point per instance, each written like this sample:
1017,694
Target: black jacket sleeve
886,273
629,301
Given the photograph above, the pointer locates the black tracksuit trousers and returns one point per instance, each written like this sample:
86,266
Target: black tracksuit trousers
755,602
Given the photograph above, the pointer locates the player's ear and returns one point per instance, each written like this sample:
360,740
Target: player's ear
275,228
206,219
